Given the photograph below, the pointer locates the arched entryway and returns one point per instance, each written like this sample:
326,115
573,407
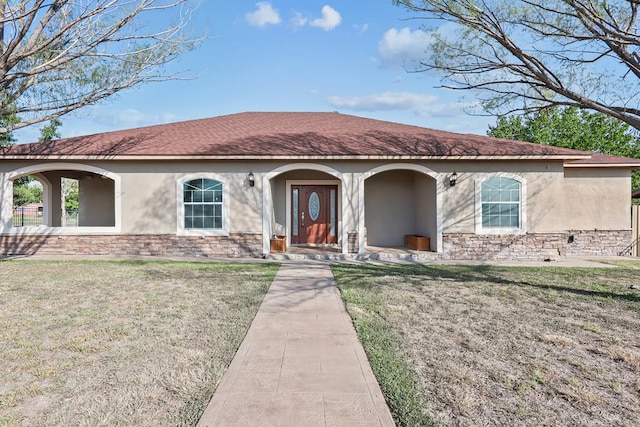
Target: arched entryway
98,191
306,203
398,200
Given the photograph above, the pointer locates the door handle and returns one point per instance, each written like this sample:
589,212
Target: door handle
302,219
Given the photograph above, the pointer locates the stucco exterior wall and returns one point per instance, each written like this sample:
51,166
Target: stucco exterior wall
279,195
426,213
96,203
597,198
390,208
53,204
150,201
150,195
543,187
396,202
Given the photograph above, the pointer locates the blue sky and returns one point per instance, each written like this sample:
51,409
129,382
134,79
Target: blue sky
287,55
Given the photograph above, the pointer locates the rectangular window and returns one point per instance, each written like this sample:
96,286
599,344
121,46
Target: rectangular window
294,220
202,204
332,215
500,203
500,215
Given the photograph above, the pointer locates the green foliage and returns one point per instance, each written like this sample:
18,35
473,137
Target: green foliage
570,128
26,192
6,122
396,376
70,193
23,180
575,128
26,189
50,131
71,200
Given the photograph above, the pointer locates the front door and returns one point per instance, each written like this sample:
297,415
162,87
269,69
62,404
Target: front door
314,214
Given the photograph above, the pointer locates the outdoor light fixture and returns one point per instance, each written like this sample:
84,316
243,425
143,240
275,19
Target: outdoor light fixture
252,179
453,178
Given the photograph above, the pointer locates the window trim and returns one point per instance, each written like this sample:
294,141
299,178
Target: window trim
181,230
522,211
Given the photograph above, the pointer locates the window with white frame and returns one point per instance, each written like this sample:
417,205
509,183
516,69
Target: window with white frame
203,204
501,203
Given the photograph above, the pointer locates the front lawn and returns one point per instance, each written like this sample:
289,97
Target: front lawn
481,345
119,343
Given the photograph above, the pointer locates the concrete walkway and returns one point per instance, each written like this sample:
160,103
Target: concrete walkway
301,363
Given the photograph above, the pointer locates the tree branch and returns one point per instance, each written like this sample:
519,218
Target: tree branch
61,55
531,54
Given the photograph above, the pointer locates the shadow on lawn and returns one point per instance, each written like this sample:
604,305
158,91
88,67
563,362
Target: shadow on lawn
350,275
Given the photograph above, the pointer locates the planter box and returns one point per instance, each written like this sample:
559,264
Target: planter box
418,243
279,244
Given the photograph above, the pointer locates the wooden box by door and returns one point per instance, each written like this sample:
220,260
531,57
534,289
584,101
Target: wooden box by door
417,243
279,244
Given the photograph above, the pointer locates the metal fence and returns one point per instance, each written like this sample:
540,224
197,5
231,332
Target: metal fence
24,216
71,218
29,216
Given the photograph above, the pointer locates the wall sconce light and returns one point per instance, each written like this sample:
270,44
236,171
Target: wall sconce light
453,179
252,179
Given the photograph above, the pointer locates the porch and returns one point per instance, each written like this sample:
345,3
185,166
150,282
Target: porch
313,203
97,208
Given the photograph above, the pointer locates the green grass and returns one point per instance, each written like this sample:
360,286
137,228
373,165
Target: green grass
475,345
384,350
120,343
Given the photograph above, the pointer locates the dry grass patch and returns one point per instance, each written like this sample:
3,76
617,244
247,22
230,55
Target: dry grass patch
119,343
505,346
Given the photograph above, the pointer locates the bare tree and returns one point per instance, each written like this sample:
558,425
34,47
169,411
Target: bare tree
60,55
526,55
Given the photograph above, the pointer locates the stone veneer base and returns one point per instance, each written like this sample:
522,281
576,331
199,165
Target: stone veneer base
456,246
236,245
538,246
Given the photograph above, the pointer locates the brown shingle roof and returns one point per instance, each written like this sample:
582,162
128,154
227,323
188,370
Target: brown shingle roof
264,134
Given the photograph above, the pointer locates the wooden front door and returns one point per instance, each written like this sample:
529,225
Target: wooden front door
314,214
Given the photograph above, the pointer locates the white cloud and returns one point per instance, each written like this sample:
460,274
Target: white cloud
401,47
419,104
330,19
298,20
103,119
264,15
128,117
384,101
361,28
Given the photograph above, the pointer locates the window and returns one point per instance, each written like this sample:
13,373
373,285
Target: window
203,204
501,204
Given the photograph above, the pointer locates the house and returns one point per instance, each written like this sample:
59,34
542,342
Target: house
32,209
224,186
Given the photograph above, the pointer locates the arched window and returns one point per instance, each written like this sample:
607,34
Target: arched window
501,203
203,204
